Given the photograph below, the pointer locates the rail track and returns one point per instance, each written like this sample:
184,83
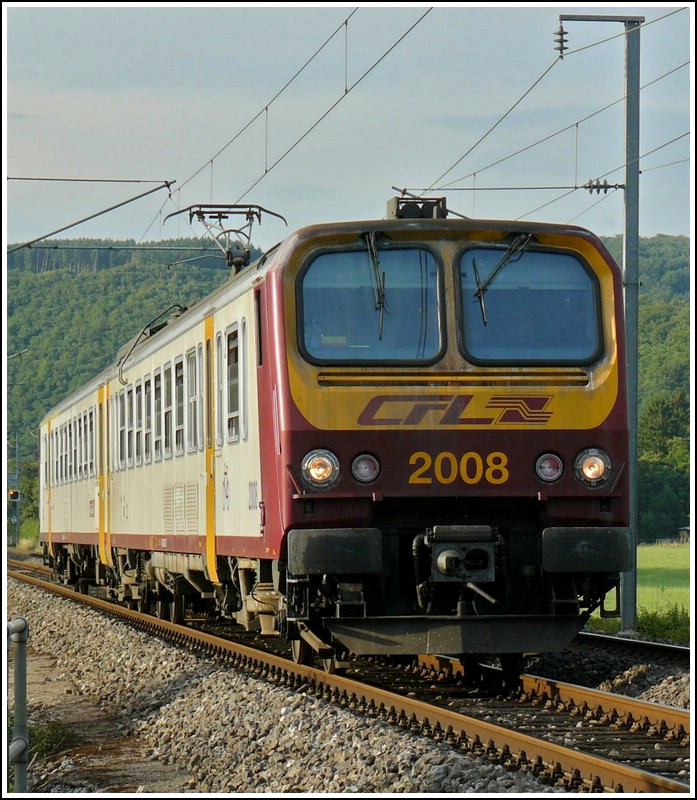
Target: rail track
633,645
578,739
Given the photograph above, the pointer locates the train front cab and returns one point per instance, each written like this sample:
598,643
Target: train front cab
453,433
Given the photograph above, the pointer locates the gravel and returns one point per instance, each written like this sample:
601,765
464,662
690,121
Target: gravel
230,732
663,680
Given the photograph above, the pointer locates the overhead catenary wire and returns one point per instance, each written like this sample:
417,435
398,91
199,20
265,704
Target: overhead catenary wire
590,207
262,111
265,107
669,164
347,90
527,92
90,180
508,188
496,124
335,104
562,130
165,185
605,174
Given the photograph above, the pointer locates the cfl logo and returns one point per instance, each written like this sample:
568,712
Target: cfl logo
446,410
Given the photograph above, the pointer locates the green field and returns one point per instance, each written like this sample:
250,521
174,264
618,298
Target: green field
663,594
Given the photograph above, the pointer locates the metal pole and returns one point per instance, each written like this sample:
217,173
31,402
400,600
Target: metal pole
19,498
628,586
18,631
630,265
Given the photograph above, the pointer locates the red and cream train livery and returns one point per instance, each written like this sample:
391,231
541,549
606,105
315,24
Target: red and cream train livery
397,436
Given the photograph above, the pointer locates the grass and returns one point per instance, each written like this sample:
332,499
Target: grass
663,594
45,739
29,536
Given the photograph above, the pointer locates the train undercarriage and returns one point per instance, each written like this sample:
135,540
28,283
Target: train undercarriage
452,589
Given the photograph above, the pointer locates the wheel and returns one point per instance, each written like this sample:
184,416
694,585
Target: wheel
473,669
333,666
302,652
162,609
176,609
512,664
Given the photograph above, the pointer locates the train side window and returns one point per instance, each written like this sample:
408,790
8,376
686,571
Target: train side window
54,459
91,442
78,446
191,402
99,441
157,415
147,403
179,405
200,396
139,423
258,326
76,451
114,416
44,458
167,416
220,386
129,416
209,394
243,379
233,385
122,430
68,451
73,449
85,445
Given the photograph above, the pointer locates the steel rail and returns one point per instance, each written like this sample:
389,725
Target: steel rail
550,762
627,709
621,641
619,707
27,565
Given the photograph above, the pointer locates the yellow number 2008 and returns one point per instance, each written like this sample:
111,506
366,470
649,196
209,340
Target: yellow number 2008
470,468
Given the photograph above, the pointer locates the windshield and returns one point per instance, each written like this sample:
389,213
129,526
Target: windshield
541,308
370,305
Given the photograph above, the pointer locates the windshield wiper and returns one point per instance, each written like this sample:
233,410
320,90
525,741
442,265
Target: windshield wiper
377,278
517,246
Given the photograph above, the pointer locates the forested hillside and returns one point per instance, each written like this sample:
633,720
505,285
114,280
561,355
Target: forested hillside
69,311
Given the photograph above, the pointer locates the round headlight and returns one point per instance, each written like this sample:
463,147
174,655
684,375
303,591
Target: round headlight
549,467
365,468
593,467
320,468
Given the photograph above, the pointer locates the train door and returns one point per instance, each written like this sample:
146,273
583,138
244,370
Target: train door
47,476
103,487
209,411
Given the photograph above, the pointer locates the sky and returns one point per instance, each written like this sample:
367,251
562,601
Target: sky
440,97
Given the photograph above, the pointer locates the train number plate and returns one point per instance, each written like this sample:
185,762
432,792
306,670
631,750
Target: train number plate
470,468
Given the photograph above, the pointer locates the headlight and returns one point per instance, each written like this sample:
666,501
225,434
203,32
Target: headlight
549,467
593,467
320,468
365,468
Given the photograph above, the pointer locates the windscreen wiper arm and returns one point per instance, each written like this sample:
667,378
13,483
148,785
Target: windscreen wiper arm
518,245
378,278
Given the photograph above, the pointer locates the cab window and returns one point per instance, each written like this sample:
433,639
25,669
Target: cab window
370,305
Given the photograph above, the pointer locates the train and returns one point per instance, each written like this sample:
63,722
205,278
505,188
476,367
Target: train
384,437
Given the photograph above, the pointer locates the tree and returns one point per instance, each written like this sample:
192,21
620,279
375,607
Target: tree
665,417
